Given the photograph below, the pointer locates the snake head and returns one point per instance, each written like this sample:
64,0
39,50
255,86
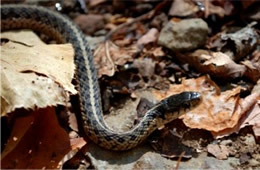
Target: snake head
176,105
184,100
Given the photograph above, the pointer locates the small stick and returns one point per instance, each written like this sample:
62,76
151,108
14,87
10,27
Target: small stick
109,56
179,160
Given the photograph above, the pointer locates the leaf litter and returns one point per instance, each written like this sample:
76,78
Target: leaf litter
137,73
33,100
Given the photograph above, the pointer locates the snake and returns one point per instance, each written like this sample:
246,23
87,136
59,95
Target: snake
61,29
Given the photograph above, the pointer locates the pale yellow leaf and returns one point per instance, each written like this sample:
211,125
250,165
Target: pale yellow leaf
34,74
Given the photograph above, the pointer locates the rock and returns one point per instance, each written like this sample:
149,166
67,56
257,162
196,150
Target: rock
226,142
219,151
184,35
90,23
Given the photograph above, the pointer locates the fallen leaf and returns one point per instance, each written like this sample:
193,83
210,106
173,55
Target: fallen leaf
217,111
107,56
153,52
150,37
93,3
253,119
218,7
118,19
253,67
256,88
73,122
21,125
158,52
123,42
40,58
214,63
219,151
183,8
90,23
34,65
215,41
43,144
244,109
243,41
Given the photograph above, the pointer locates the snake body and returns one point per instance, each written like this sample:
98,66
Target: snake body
61,29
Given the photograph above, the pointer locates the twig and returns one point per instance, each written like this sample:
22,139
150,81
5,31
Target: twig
179,160
109,56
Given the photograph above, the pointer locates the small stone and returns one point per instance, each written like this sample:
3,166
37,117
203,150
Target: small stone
253,162
184,35
244,158
249,140
226,142
219,151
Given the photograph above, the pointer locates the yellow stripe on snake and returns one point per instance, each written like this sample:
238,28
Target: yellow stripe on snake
61,29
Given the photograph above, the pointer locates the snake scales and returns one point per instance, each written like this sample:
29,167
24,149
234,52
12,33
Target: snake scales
61,29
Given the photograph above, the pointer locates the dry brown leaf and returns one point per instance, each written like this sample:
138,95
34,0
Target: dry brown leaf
43,144
93,3
107,56
213,9
21,127
150,37
118,19
90,23
253,119
249,111
253,67
73,123
214,63
30,40
222,8
154,52
240,43
217,111
183,8
256,88
219,151
158,52
34,65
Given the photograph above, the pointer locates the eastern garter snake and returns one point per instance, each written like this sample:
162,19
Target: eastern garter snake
63,30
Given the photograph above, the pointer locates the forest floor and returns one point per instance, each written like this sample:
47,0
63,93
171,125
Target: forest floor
144,51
